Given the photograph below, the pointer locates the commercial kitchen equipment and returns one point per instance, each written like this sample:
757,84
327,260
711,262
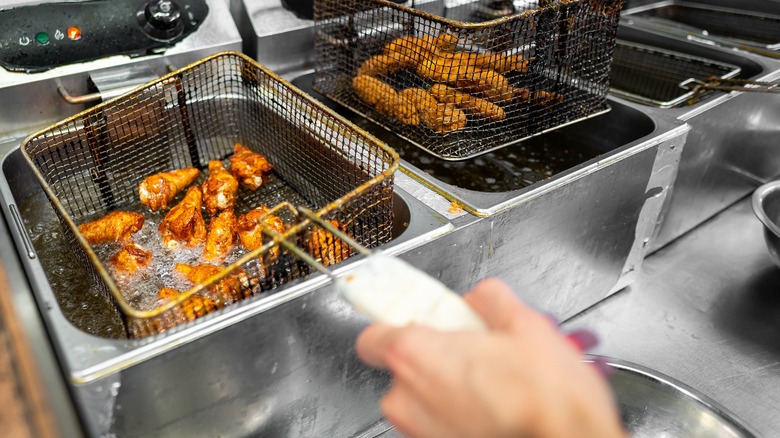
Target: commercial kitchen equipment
283,365
731,148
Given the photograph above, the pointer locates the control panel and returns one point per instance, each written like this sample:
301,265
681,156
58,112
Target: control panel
39,37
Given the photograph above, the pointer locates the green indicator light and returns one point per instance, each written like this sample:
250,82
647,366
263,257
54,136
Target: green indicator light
42,38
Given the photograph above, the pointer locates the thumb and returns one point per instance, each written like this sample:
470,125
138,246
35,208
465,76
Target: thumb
498,306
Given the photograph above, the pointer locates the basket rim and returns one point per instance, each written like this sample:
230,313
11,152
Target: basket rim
475,25
127,309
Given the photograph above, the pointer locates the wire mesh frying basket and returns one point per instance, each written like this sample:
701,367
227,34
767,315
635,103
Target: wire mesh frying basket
92,163
459,86
657,77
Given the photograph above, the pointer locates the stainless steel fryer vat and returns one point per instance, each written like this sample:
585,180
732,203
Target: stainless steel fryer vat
92,163
566,241
750,25
232,373
731,148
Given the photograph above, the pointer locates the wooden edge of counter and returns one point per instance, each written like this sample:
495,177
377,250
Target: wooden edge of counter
26,406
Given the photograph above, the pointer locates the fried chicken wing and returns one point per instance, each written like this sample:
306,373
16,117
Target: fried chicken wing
385,99
193,307
232,288
326,247
249,229
184,222
157,190
250,168
480,108
441,117
116,226
221,236
219,189
131,258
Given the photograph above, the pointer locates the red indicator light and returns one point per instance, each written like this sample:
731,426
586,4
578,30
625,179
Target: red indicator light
74,33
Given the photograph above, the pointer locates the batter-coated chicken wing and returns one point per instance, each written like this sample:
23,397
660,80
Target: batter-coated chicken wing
219,189
249,229
441,117
158,190
480,108
221,235
194,307
234,287
326,247
184,222
116,226
131,258
385,99
250,168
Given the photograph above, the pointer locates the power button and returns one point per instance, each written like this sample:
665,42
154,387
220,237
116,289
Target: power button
24,40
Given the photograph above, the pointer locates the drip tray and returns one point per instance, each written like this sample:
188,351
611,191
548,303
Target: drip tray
494,181
740,26
657,77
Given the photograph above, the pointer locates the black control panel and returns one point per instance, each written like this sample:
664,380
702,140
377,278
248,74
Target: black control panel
40,37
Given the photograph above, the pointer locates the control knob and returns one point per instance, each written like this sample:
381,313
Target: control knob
161,19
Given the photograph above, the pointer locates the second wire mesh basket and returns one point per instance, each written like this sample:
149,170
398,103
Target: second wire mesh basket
457,86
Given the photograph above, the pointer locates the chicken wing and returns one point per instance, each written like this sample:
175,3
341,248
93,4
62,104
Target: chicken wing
219,189
221,235
326,247
184,222
480,108
193,307
158,190
131,258
250,168
385,99
249,229
232,288
441,117
116,226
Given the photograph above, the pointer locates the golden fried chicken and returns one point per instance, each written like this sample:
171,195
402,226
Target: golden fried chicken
184,222
234,287
250,168
219,189
193,307
326,247
221,235
116,226
481,109
249,228
158,190
385,99
441,117
131,258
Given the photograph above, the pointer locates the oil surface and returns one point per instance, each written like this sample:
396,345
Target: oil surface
81,300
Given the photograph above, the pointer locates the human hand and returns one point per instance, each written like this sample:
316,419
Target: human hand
521,378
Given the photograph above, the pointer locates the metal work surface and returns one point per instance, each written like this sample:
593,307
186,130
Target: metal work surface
705,311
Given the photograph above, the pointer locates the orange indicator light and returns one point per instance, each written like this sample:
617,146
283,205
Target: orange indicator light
74,33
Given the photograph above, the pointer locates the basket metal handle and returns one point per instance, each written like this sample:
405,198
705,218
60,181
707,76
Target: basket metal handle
720,84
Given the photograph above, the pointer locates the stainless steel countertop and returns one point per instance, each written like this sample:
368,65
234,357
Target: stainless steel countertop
705,310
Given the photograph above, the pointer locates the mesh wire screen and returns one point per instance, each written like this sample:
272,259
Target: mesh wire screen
458,87
654,77
92,164
731,23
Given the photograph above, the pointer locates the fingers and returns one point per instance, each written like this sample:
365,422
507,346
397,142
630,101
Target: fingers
373,344
498,306
403,408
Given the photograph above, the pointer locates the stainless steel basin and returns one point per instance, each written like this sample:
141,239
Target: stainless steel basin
766,205
653,405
